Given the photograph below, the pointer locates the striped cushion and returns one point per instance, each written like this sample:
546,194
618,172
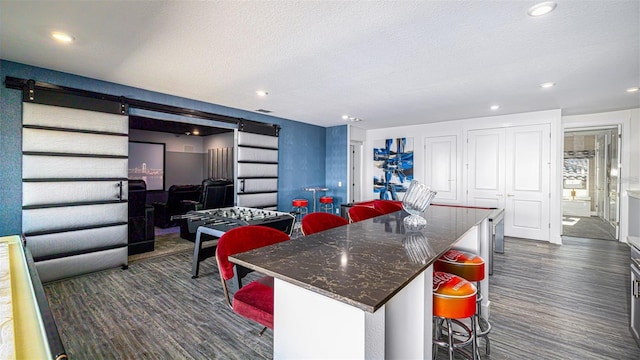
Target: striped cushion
453,296
461,263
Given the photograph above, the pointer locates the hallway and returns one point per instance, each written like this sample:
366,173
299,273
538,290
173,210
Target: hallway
590,227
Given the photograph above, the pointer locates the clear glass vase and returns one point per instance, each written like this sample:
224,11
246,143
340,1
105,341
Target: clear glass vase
416,201
417,247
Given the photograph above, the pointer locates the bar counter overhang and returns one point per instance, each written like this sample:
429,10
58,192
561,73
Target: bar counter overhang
364,290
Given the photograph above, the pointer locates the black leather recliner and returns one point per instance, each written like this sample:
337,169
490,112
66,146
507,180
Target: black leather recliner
175,204
140,240
216,193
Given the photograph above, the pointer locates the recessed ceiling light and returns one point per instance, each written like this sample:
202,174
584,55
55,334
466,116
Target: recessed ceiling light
196,132
547,85
62,37
495,107
542,8
633,89
262,93
351,118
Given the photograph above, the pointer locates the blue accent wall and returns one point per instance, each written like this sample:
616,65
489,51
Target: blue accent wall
302,155
336,164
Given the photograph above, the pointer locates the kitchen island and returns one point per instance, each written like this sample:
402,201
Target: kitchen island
363,290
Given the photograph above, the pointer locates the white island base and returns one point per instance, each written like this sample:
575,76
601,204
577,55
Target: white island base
309,325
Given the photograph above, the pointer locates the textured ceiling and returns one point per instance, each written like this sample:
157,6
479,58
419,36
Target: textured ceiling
389,63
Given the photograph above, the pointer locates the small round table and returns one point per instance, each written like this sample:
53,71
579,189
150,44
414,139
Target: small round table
313,190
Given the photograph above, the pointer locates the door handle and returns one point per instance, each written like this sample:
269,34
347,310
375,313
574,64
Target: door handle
119,196
510,195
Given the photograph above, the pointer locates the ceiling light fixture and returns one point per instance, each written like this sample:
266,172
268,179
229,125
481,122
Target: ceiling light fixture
542,8
351,118
547,85
262,93
495,107
196,132
633,89
62,37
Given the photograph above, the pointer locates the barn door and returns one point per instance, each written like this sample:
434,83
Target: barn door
74,179
257,180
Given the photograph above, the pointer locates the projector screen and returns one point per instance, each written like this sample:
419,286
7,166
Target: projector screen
147,162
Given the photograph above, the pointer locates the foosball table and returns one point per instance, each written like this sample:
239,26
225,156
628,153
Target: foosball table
213,223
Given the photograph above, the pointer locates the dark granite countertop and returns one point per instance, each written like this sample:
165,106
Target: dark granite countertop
364,264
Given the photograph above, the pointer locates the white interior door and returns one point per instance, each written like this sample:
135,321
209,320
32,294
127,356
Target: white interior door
441,169
485,157
527,182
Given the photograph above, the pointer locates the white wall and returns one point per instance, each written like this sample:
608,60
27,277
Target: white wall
457,128
630,159
460,128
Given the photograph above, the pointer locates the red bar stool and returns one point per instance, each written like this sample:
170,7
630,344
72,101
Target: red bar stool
299,211
326,204
454,298
470,267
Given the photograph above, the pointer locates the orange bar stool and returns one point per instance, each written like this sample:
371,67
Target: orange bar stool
326,204
454,298
470,267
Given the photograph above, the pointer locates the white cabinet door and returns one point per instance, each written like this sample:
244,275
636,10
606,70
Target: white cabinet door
441,169
486,179
509,168
527,182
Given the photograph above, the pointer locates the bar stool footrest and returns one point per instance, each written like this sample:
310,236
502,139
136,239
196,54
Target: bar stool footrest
463,332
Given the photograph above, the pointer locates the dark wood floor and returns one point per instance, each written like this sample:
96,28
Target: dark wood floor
548,302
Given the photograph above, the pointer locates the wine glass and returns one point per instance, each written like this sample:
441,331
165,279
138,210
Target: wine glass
416,201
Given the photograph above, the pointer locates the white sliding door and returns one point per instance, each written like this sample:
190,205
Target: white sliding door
257,158
74,178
